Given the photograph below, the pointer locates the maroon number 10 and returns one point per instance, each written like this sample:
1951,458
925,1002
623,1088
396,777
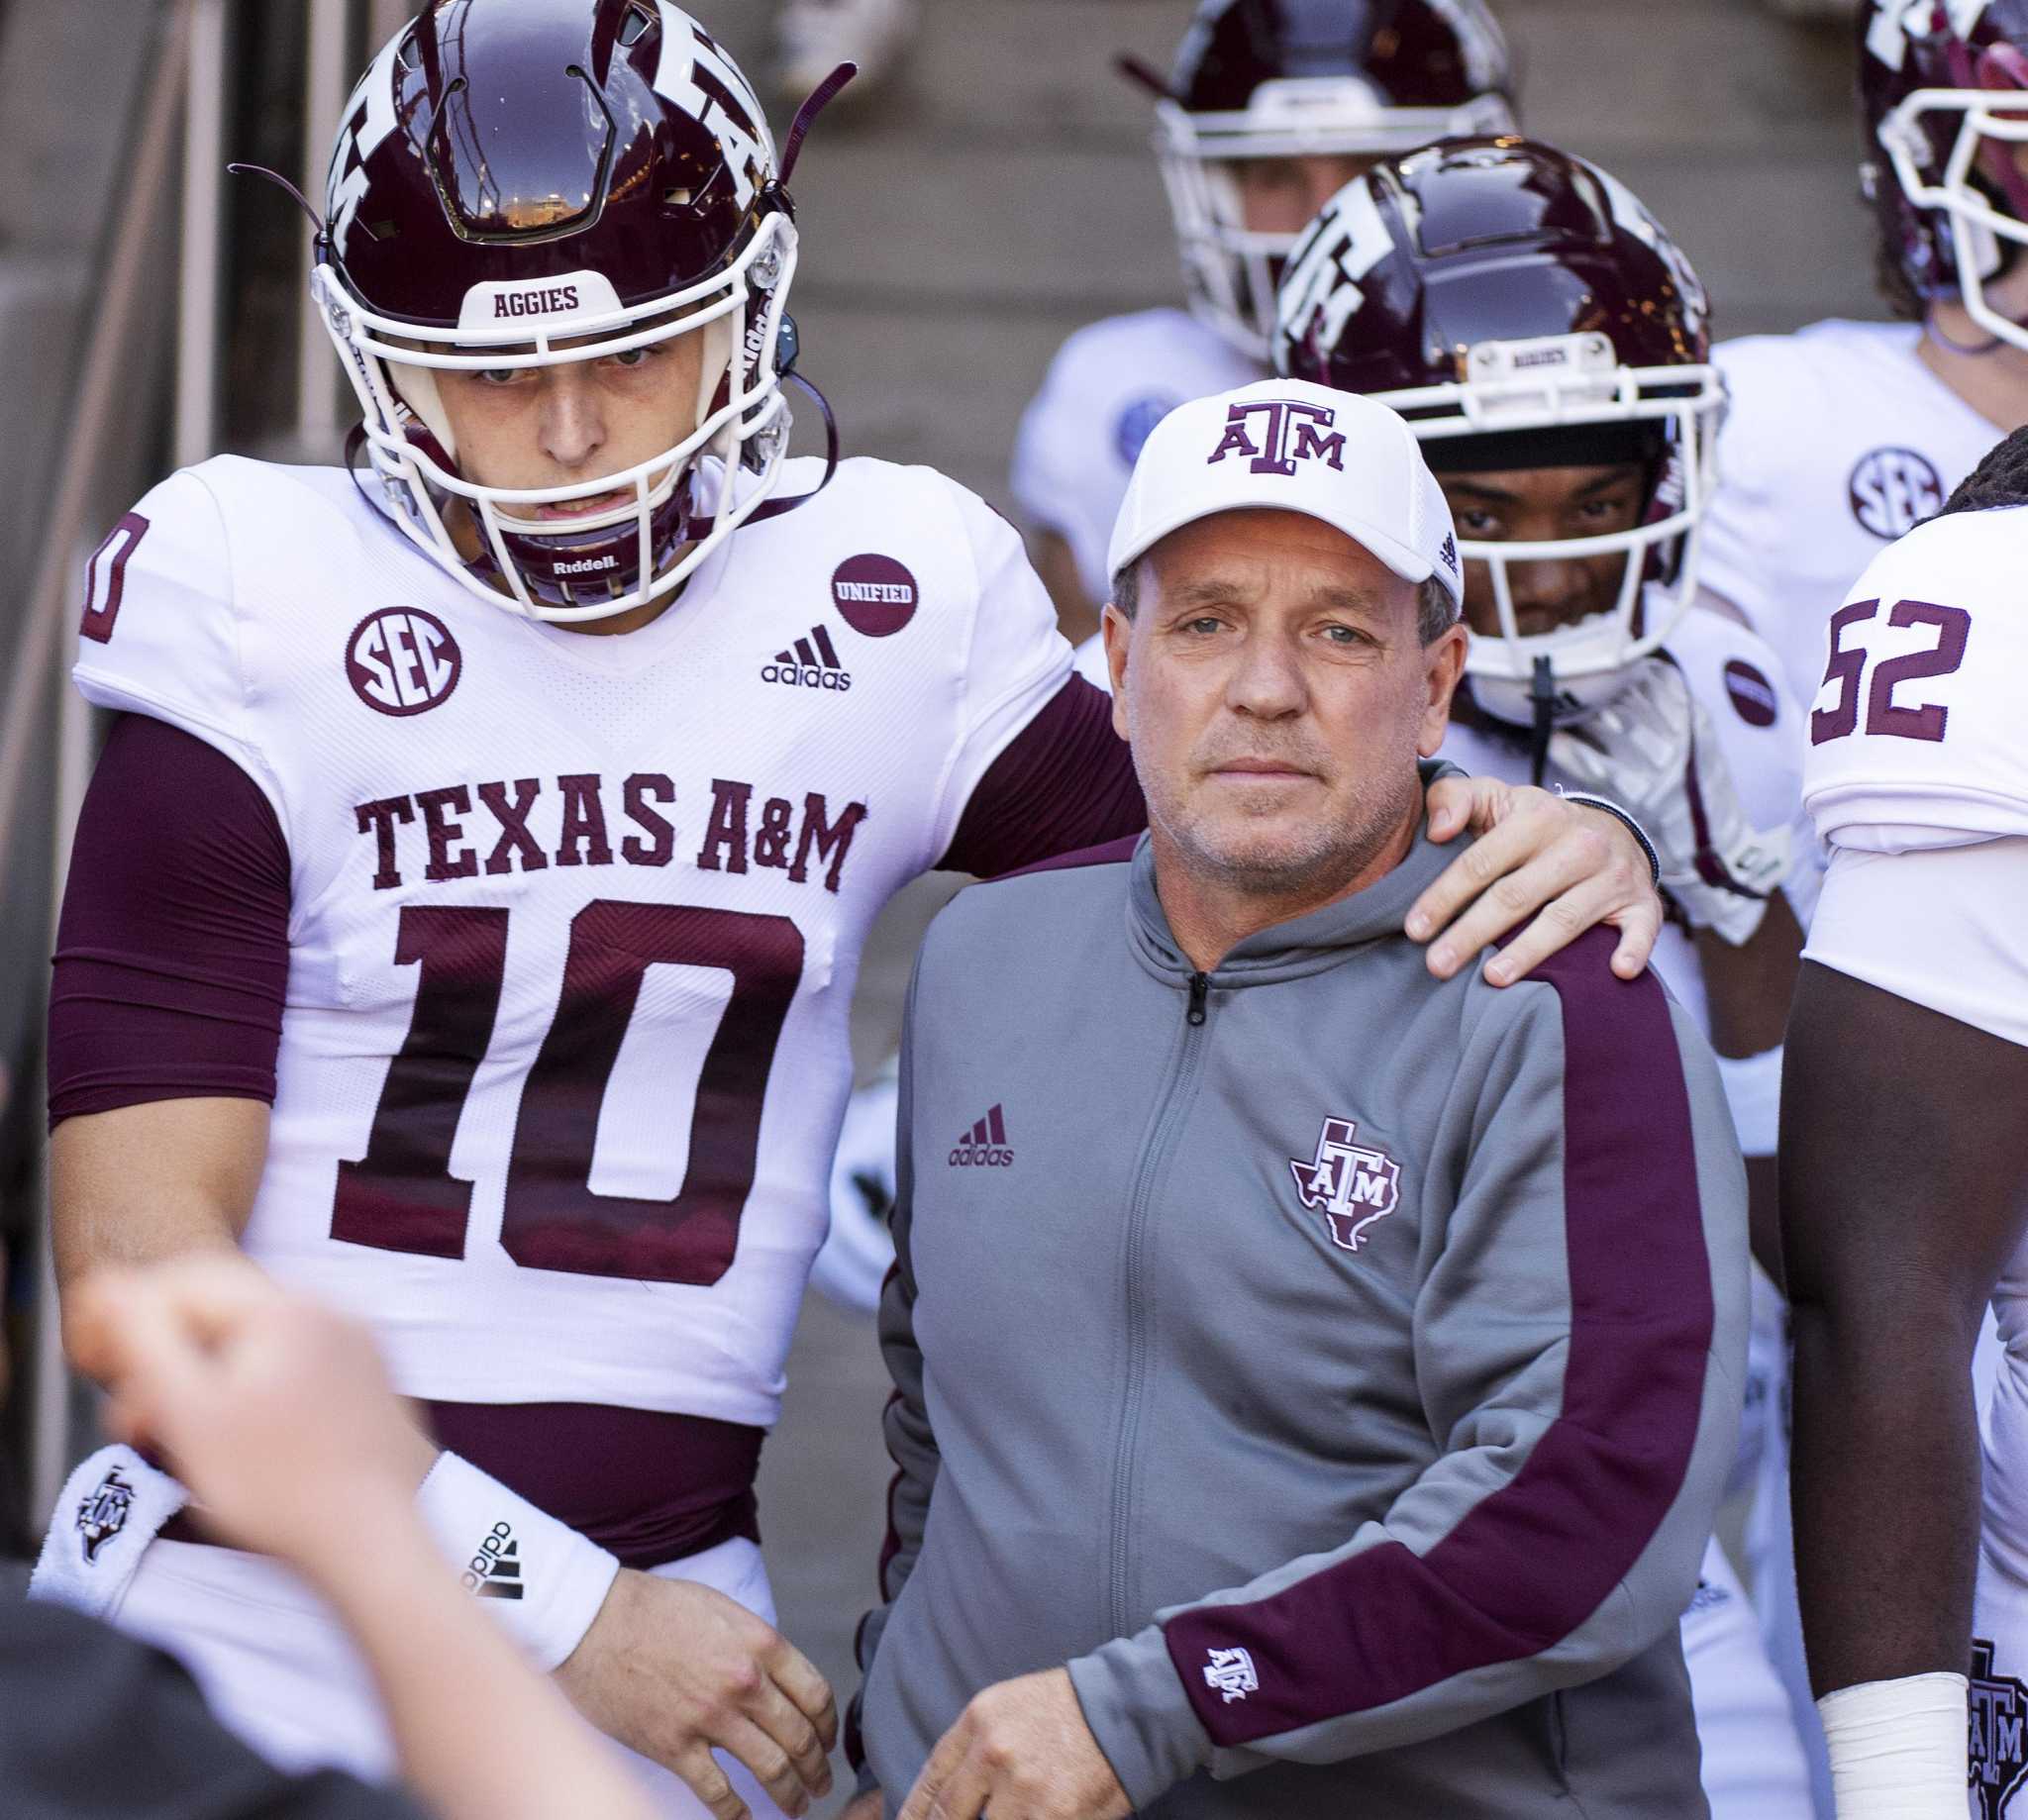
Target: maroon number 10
402,1196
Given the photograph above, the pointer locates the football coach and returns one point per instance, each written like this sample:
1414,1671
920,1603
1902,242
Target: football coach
1314,1380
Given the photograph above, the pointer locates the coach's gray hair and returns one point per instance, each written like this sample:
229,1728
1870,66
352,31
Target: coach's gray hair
1434,611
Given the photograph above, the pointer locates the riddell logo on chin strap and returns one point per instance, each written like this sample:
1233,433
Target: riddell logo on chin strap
985,1146
810,662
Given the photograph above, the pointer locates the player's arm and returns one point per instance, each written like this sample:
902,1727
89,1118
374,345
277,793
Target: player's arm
279,1416
1904,1186
166,1004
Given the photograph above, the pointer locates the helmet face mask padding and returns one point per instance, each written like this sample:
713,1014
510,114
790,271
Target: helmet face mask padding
585,243
1521,309
1290,78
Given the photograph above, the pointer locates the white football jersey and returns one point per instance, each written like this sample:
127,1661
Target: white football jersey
1110,385
1837,440
574,919
1760,741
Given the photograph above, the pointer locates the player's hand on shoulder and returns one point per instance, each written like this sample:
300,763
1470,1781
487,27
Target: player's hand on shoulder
673,1670
1566,864
1654,751
1021,1749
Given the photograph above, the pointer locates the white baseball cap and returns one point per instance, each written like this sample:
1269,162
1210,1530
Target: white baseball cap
1293,447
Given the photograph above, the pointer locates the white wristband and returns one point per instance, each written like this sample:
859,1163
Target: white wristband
541,1578
1753,1091
1898,1749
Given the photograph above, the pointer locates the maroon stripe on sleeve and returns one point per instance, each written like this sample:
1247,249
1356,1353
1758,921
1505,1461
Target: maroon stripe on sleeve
1532,1561
173,953
1066,781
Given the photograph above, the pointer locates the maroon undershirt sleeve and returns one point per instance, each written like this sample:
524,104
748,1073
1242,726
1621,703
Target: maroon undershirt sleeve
173,953
1066,781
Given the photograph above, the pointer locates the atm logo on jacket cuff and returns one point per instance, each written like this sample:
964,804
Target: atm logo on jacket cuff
1231,1672
1351,1184
811,663
985,1146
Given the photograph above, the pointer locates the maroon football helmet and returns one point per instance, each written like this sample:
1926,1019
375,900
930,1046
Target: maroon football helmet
1290,78
520,183
1521,309
1940,85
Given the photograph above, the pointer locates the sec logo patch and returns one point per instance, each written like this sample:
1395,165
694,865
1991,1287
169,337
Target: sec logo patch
1892,490
402,660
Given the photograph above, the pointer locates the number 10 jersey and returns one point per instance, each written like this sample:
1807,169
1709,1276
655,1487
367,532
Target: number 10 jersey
574,920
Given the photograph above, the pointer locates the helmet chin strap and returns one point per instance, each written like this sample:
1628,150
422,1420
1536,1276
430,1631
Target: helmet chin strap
1543,693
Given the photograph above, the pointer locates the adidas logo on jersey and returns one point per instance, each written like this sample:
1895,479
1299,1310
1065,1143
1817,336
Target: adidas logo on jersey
495,1570
985,1146
810,663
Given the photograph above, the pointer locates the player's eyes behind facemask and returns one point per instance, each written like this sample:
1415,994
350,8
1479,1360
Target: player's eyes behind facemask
1548,343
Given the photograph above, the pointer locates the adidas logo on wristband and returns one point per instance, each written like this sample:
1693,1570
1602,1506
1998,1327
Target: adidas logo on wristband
545,1582
495,1570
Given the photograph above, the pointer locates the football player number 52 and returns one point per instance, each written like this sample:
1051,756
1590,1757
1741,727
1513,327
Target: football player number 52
1883,714
402,1196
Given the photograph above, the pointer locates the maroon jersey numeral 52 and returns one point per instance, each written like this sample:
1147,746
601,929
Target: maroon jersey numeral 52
402,1196
1847,668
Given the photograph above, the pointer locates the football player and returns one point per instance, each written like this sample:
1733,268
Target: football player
1904,1170
1273,106
1844,436
1553,360
465,908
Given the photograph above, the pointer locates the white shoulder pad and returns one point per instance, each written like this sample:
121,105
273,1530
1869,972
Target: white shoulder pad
159,630
1917,737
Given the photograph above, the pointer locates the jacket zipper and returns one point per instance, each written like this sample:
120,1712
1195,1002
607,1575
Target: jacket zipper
1168,1125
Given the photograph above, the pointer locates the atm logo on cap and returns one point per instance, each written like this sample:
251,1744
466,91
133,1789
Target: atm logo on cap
1278,433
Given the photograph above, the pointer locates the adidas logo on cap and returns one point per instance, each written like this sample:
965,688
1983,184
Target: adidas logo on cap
985,1146
812,662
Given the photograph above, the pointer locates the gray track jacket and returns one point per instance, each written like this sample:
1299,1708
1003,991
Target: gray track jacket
1336,1368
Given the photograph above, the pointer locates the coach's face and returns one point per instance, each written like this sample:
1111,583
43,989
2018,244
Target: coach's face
1276,692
